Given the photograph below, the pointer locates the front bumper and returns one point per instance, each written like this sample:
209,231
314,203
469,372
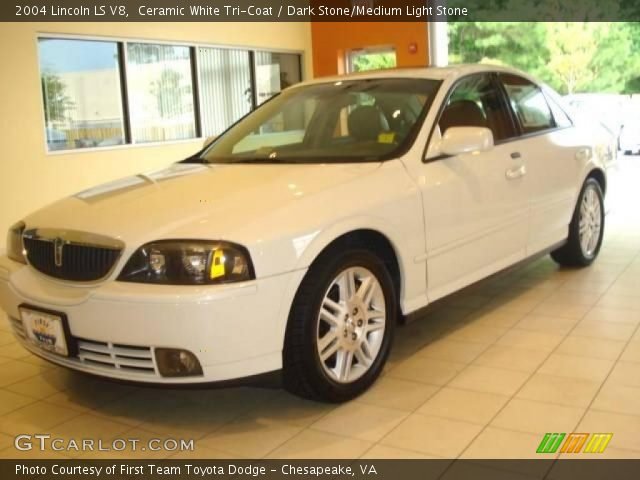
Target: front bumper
234,330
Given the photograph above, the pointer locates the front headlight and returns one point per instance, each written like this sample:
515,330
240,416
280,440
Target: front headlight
188,262
15,249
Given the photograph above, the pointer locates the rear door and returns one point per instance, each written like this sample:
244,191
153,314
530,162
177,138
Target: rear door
549,144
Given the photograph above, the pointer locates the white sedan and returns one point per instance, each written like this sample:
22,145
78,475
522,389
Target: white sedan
299,238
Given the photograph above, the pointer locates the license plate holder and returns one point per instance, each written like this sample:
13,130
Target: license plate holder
47,329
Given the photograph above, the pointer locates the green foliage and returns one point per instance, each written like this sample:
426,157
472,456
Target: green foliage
373,61
571,56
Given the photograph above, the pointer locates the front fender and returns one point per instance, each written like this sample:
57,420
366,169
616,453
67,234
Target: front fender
406,249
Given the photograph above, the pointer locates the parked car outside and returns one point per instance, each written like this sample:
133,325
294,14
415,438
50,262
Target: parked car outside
298,239
605,108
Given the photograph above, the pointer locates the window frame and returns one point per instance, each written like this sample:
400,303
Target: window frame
121,43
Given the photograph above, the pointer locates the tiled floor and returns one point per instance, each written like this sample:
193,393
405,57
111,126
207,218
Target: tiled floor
484,376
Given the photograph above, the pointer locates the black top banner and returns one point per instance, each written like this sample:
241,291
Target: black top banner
319,10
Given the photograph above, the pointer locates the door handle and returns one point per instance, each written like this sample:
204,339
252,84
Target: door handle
516,172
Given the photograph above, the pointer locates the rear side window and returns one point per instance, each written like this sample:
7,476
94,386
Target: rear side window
528,103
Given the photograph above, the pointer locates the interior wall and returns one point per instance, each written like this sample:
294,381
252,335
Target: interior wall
333,40
29,177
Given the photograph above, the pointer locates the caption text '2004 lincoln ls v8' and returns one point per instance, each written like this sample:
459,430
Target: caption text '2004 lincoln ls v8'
297,239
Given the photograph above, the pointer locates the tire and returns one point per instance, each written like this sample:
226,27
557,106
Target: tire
578,251
339,329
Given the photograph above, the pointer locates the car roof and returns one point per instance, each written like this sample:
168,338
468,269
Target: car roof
451,72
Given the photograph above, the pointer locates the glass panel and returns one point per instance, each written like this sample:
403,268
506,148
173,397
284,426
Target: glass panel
528,103
367,59
275,72
561,118
81,91
349,120
476,101
225,88
160,90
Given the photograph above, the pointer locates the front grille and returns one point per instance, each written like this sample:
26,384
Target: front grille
102,355
76,262
115,356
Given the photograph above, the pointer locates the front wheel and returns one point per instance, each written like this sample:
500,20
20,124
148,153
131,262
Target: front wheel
585,230
340,327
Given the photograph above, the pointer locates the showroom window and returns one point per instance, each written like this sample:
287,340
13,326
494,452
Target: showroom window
224,76
160,92
104,93
374,58
275,72
82,93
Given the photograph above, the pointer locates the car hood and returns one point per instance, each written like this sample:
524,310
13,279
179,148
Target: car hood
193,200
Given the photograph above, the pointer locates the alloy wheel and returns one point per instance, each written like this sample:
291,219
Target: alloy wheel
351,325
590,223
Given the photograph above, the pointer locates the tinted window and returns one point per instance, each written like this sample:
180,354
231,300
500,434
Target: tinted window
476,101
528,103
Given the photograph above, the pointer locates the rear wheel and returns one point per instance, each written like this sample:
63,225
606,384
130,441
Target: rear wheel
586,228
340,327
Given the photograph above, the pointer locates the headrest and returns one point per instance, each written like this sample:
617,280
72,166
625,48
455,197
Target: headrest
462,113
366,123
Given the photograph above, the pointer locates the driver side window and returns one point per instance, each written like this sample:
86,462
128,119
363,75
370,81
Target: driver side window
476,101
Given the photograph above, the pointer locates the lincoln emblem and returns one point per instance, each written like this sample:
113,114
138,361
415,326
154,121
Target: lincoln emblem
58,244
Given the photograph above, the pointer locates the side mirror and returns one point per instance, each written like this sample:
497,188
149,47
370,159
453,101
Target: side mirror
209,140
457,140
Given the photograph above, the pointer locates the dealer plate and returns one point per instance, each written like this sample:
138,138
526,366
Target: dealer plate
46,330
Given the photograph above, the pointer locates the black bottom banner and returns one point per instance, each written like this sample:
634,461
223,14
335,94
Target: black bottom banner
585,469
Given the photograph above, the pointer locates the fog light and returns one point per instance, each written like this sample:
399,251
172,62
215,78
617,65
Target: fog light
177,363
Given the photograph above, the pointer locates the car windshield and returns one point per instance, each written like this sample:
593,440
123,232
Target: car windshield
344,121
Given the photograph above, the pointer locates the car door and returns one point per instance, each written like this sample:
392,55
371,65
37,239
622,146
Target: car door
553,151
475,204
